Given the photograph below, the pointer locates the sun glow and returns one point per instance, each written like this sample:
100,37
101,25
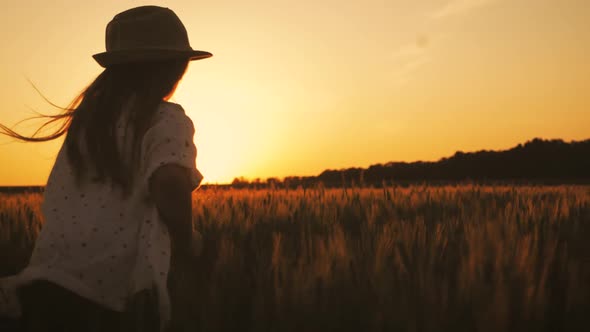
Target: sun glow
294,88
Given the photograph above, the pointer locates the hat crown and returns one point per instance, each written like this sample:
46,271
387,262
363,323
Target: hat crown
146,27
146,33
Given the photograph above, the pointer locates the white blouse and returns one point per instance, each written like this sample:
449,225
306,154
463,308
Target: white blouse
100,244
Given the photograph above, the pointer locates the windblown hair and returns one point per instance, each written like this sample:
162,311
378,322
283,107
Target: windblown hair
91,118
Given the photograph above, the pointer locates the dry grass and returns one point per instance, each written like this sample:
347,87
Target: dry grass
420,258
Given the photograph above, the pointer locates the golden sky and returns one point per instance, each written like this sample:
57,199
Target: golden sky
296,87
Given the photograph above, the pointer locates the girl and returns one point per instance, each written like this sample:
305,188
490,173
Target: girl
117,204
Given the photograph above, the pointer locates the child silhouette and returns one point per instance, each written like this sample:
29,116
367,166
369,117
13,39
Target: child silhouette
117,204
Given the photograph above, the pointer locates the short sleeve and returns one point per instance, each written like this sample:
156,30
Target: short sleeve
170,141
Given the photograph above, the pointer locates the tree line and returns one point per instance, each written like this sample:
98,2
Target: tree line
536,161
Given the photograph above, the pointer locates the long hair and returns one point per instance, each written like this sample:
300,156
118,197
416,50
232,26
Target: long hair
91,119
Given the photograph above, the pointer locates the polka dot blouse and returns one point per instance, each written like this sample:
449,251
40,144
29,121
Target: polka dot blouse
106,246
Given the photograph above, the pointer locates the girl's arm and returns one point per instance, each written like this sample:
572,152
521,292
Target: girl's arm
170,189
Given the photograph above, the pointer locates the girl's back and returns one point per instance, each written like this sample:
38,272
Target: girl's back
97,234
101,243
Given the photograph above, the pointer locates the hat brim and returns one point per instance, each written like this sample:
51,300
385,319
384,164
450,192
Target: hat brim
106,59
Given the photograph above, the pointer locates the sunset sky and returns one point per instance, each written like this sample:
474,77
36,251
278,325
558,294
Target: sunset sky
296,87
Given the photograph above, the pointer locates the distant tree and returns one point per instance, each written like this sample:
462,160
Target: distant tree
273,182
240,182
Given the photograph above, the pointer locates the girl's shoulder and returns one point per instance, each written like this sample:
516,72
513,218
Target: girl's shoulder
171,111
172,116
167,106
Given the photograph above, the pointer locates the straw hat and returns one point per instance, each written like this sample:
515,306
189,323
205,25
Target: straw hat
146,33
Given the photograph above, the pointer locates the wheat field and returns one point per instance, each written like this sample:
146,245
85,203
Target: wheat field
416,258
